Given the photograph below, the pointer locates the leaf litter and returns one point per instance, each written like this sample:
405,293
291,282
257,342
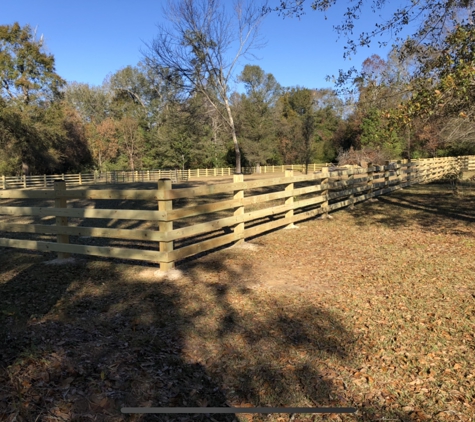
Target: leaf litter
373,309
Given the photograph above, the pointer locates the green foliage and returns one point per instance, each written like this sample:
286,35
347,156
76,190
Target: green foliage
38,132
309,121
255,116
443,84
26,71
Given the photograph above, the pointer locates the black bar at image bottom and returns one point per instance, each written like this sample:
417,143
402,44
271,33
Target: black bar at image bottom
209,410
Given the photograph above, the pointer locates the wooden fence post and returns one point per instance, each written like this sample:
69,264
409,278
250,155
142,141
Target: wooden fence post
165,185
370,171
44,181
61,202
4,182
386,174
80,179
398,174
350,183
290,200
325,180
239,194
409,169
24,180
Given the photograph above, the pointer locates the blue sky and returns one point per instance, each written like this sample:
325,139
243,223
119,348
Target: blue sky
91,39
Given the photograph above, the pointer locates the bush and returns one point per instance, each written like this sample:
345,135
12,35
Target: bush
365,154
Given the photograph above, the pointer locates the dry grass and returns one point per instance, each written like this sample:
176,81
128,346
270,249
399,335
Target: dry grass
373,309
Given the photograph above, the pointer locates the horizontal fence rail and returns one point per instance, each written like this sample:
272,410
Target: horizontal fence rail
119,176
166,225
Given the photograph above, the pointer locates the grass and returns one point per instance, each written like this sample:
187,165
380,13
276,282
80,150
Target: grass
373,309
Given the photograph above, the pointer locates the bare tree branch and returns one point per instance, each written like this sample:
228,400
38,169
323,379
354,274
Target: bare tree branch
201,46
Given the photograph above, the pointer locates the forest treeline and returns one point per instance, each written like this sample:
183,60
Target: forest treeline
403,106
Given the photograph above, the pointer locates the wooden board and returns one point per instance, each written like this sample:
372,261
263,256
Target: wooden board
109,252
85,231
86,213
97,194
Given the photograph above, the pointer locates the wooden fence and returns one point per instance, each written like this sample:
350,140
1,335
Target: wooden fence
173,224
112,177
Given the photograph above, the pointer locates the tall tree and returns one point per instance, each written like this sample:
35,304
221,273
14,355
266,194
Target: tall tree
27,72
298,113
202,45
38,132
255,123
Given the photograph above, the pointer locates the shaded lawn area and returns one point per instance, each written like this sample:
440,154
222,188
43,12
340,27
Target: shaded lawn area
374,309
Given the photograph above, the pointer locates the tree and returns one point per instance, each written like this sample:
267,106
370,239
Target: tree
27,72
201,47
430,18
261,87
298,112
443,95
255,125
30,116
103,141
93,103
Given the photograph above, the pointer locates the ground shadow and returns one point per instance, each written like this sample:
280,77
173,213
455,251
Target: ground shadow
83,340
433,208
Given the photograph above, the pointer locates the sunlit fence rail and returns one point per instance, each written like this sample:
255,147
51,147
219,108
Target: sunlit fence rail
166,225
111,177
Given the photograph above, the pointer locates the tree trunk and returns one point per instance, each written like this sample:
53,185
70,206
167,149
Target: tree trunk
131,162
235,141
25,168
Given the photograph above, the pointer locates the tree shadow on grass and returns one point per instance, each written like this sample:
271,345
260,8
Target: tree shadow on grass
432,208
109,335
105,338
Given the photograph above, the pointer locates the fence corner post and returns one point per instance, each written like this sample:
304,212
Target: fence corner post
325,180
350,182
398,174
370,172
289,201
239,211
165,227
61,202
386,174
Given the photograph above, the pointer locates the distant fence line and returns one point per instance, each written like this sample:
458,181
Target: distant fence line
122,176
233,212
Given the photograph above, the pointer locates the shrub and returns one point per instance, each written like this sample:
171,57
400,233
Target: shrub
365,154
